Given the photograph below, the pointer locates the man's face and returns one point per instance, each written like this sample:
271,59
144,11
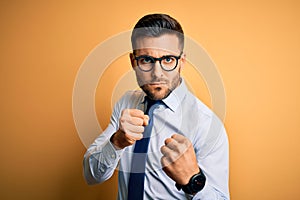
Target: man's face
158,83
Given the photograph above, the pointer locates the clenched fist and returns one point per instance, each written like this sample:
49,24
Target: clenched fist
179,160
131,128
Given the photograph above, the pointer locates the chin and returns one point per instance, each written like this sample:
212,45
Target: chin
157,96
156,93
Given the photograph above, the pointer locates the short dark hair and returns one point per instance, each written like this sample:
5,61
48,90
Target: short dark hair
155,25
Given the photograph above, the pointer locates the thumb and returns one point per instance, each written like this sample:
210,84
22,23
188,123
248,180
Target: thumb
146,120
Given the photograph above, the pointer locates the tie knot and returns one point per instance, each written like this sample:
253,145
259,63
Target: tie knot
151,102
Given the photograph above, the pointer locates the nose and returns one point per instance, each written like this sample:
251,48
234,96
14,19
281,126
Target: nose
157,71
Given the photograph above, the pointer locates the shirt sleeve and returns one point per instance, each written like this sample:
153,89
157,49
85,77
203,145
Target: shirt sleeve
215,166
101,158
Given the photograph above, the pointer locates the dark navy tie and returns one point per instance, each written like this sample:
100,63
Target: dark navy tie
138,164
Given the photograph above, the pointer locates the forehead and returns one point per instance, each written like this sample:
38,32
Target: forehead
166,44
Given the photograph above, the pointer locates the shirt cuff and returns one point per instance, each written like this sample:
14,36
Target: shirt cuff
111,153
207,193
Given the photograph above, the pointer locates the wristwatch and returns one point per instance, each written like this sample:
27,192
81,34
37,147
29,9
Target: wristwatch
196,184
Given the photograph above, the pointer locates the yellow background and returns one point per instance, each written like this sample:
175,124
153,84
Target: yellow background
255,45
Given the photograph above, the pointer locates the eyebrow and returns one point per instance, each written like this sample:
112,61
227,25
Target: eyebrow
164,55
146,53
157,57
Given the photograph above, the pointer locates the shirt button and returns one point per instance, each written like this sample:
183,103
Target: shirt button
113,156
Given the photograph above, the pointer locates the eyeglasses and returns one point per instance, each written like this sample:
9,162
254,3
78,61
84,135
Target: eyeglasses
167,63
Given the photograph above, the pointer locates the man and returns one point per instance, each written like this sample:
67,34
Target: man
167,143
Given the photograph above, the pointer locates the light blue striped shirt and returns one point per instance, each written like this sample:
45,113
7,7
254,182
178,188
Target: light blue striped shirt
181,113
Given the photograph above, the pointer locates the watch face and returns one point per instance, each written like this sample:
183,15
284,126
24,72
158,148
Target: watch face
195,185
198,182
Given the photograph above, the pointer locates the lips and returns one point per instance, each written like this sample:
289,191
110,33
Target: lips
157,83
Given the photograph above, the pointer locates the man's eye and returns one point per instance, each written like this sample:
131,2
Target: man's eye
168,59
146,60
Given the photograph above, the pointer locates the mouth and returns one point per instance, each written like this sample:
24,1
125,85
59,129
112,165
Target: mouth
157,83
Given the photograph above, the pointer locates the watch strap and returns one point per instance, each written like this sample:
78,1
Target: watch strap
196,184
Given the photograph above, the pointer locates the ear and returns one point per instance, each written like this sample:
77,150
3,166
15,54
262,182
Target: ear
182,61
131,57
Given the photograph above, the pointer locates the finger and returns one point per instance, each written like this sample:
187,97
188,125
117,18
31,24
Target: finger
146,120
172,144
136,117
133,136
169,140
136,113
170,154
165,151
179,138
165,162
137,121
127,113
133,128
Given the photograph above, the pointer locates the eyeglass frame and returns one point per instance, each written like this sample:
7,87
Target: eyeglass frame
157,59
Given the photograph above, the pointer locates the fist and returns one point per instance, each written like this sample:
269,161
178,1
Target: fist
179,160
131,128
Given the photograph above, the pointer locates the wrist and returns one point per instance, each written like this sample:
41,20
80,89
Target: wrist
115,142
195,184
186,180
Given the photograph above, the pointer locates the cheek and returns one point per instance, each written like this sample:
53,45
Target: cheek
172,76
142,77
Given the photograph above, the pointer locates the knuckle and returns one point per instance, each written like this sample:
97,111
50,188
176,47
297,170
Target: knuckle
142,129
164,161
137,121
140,136
139,112
168,140
138,129
122,112
129,118
140,121
172,158
188,145
125,111
122,120
187,142
182,149
162,149
177,149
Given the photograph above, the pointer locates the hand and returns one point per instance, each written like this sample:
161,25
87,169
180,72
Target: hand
179,160
131,123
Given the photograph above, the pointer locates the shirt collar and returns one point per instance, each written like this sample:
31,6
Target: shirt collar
176,96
